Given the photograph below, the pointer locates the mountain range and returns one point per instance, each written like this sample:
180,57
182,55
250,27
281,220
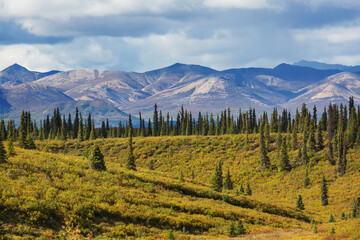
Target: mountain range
115,94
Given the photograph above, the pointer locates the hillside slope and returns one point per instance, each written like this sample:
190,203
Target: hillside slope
54,193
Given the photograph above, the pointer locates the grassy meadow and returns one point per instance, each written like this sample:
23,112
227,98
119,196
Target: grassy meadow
52,193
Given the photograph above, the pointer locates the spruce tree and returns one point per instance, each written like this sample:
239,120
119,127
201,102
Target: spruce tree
217,179
92,132
239,229
324,192
155,129
342,162
228,184
306,179
304,152
331,218
248,190
63,130
311,140
3,155
299,156
22,131
299,203
181,176
30,144
212,125
11,149
284,164
97,159
331,154
355,210
319,138
231,229
267,137
242,190
265,161
130,161
80,134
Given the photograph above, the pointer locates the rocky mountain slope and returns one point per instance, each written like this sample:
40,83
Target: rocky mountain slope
196,87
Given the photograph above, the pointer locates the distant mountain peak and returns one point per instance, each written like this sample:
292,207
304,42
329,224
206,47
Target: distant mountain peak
326,66
15,68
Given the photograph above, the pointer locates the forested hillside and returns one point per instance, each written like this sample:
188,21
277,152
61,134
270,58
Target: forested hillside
265,177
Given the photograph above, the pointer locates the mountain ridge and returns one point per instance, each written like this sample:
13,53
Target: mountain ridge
196,87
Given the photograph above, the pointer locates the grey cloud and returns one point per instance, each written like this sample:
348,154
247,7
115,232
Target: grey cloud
224,36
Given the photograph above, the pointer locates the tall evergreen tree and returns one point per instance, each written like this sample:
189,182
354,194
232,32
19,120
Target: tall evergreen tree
3,155
311,140
228,184
217,180
330,133
80,134
63,130
155,129
304,152
324,192
306,179
319,138
130,161
22,131
212,125
76,123
103,130
92,131
284,164
265,161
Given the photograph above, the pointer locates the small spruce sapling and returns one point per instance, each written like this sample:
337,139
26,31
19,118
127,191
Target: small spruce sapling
240,230
248,190
97,159
300,203
231,229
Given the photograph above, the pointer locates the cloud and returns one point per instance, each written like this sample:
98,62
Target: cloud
330,34
139,35
84,52
348,4
242,4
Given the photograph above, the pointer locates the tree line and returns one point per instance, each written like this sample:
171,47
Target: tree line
339,124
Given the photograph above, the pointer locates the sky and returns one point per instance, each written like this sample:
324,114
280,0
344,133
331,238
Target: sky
142,35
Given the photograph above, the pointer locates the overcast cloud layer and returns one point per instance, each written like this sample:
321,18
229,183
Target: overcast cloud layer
140,35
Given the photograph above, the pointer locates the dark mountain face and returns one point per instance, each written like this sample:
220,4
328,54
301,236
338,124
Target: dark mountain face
17,73
108,94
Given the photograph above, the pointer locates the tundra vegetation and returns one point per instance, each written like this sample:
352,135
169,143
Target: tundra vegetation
266,177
